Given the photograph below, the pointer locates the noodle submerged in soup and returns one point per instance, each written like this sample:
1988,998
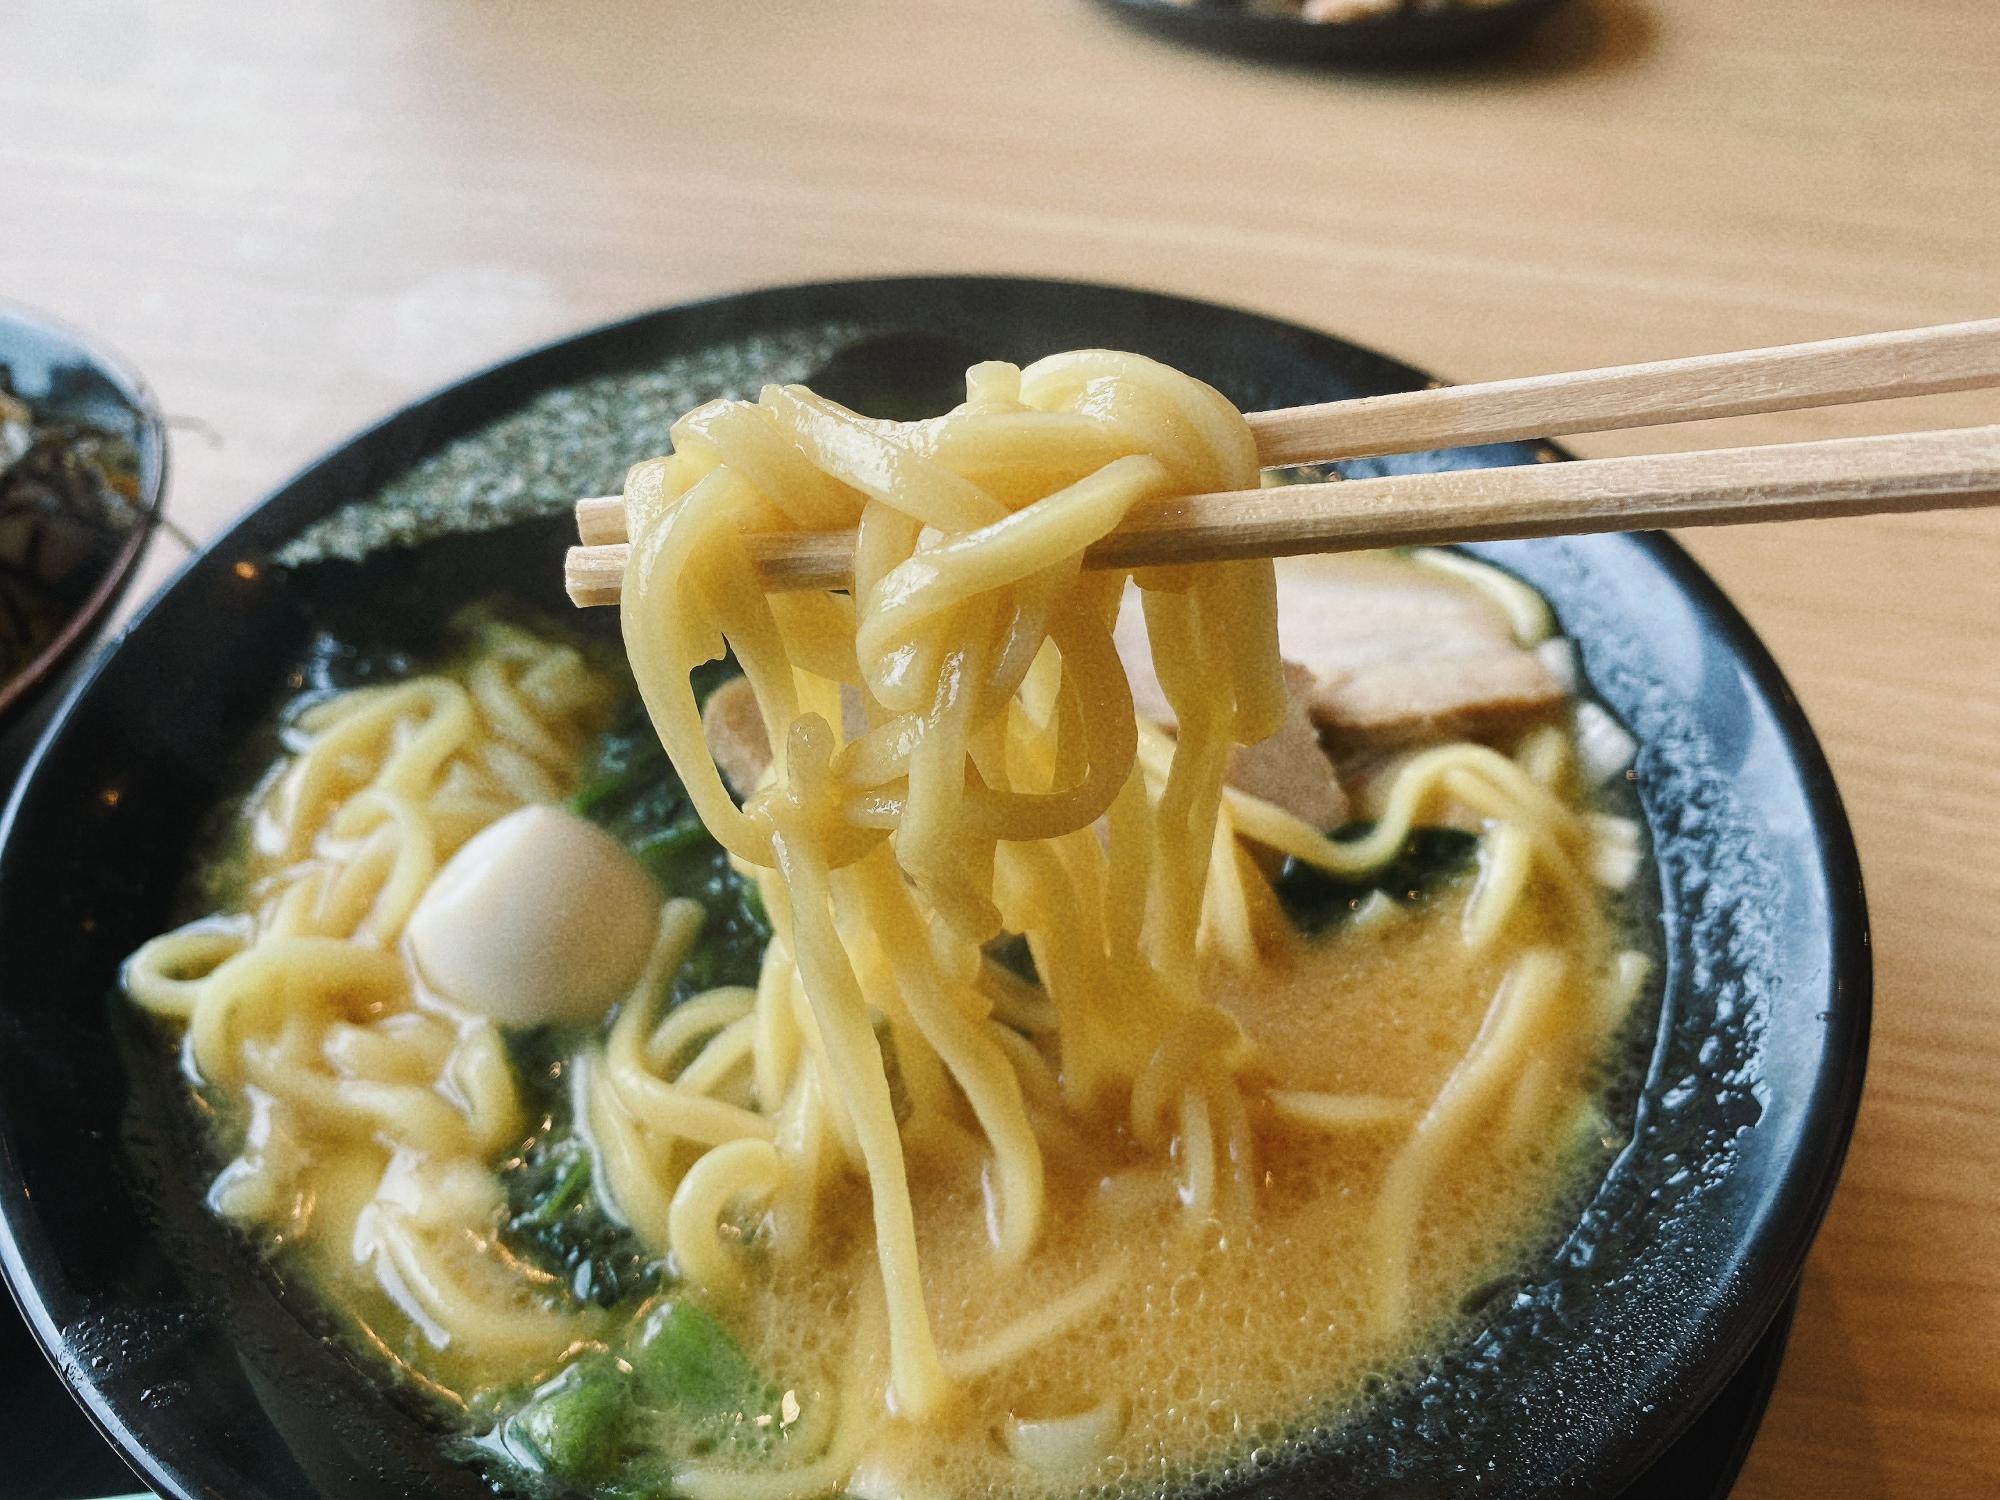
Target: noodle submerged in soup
1006,1083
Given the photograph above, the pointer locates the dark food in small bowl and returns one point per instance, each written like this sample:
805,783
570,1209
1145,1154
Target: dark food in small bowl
216,1378
82,472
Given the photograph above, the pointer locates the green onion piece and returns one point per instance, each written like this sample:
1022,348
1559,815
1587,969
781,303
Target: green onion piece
573,1426
685,1362
568,1190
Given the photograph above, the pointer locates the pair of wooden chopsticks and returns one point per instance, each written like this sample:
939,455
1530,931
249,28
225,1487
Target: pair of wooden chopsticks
1791,481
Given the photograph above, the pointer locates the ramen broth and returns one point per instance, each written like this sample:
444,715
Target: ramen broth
1138,1349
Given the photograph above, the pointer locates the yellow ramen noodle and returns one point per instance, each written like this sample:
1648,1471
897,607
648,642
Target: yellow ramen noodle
1165,1201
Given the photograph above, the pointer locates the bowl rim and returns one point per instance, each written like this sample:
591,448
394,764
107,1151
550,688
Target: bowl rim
1701,1366
151,442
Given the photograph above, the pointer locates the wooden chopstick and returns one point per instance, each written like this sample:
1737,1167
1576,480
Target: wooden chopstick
1826,372
1726,486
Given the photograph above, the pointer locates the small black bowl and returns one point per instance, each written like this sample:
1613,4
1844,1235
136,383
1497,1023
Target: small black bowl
60,372
1572,1379
1406,36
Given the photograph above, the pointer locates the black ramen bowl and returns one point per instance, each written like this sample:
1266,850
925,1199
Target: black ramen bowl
216,1381
61,373
1412,34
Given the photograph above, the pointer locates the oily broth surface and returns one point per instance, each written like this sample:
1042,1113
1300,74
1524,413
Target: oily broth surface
1226,1340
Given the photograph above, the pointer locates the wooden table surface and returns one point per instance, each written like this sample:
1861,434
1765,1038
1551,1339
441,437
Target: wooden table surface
296,216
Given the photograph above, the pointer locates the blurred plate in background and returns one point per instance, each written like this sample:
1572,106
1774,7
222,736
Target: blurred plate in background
1410,34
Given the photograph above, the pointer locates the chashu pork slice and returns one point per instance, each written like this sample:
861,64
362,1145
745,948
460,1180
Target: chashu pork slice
1399,653
1380,653
733,725
1289,768
734,729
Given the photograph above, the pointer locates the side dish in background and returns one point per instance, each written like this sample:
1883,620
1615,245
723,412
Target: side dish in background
69,500
1360,33
1339,11
1040,1068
